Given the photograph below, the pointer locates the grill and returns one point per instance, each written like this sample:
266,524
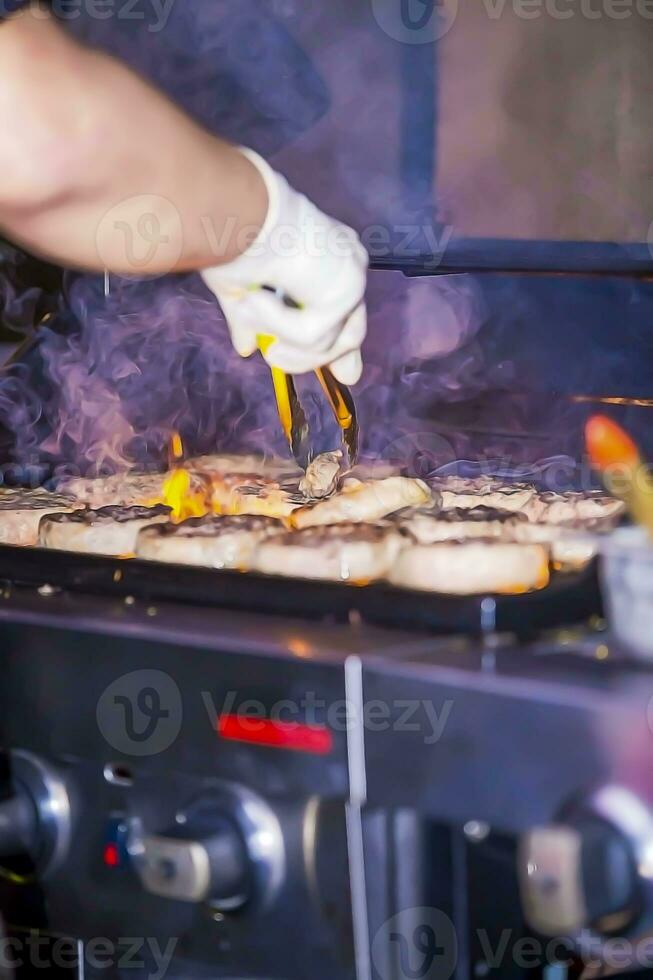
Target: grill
570,598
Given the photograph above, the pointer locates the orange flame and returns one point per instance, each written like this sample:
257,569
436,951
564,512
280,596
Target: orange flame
178,493
608,445
176,446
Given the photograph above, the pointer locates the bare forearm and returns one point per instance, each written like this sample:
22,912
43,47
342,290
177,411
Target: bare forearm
101,170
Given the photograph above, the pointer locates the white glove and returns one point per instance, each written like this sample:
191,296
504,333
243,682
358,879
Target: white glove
310,259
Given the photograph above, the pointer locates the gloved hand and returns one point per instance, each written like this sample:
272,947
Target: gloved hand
310,259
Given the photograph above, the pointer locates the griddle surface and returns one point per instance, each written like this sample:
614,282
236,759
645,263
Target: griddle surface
568,599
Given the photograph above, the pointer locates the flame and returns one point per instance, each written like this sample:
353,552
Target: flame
608,444
178,493
177,446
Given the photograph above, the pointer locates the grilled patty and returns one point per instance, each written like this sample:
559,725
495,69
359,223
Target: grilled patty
458,524
344,553
472,567
22,510
458,493
106,531
214,542
363,503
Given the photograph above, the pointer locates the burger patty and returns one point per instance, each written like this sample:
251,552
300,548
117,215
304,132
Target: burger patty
346,553
585,505
22,510
107,531
124,489
254,495
572,544
361,503
458,524
214,542
226,464
472,567
458,493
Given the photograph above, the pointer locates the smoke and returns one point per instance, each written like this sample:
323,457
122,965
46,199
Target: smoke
154,358
452,370
22,300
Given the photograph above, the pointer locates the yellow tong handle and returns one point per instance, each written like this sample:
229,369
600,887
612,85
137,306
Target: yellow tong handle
333,391
292,417
281,383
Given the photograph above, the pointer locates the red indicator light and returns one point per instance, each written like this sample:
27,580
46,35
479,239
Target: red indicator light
290,735
111,855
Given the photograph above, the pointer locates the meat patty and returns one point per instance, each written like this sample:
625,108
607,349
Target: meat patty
361,503
21,512
472,567
107,531
213,542
252,494
322,475
458,493
125,489
587,505
224,464
572,544
356,553
427,526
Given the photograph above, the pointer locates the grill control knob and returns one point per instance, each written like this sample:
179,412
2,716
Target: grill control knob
225,849
591,870
35,818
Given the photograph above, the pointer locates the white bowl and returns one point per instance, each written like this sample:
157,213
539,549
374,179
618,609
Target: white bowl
627,581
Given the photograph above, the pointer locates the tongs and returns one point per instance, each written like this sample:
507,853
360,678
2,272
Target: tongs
293,418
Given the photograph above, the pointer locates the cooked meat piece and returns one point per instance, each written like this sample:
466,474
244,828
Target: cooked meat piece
215,542
124,489
588,505
356,553
363,503
472,567
107,531
321,478
22,510
458,493
572,544
250,493
427,526
226,464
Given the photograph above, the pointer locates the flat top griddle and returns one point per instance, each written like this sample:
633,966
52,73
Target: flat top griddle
570,598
